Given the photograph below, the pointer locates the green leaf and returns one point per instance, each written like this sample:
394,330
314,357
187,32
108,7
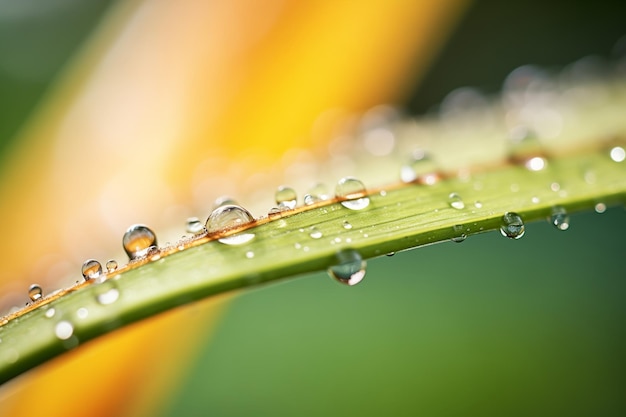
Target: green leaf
305,240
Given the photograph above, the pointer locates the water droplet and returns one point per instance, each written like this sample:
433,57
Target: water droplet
137,240
618,154
82,313
194,226
459,233
559,218
555,186
153,253
64,330
107,292
347,225
274,212
111,265
35,292
512,226
535,200
228,217
50,313
286,197
249,254
91,269
456,201
349,268
525,149
600,208
316,194
478,204
421,169
390,254
315,233
354,193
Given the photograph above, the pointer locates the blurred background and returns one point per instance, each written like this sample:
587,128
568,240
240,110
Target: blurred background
113,113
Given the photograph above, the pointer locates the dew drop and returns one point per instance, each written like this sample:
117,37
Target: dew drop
274,212
137,240
618,154
35,292
349,268
478,204
526,150
91,269
64,330
456,201
111,265
194,226
315,233
390,254
82,313
107,293
316,194
559,218
600,208
347,225
50,313
228,217
249,254
353,192
459,233
286,197
421,169
512,226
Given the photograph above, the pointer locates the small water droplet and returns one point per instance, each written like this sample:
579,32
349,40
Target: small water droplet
459,233
249,254
64,330
600,208
349,268
618,154
555,186
390,254
421,169
512,226
111,265
286,197
91,269
535,200
347,225
107,292
316,194
153,253
35,292
82,313
525,149
315,233
353,192
50,312
194,226
478,204
137,240
383,193
559,218
456,201
274,212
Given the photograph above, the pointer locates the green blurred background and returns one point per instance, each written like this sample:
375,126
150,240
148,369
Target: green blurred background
488,327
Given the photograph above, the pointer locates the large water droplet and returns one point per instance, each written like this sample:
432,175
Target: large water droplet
559,218
111,265
107,292
91,269
137,240
512,226
194,226
456,201
349,268
228,217
421,169
353,192
64,330
316,194
35,292
286,197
